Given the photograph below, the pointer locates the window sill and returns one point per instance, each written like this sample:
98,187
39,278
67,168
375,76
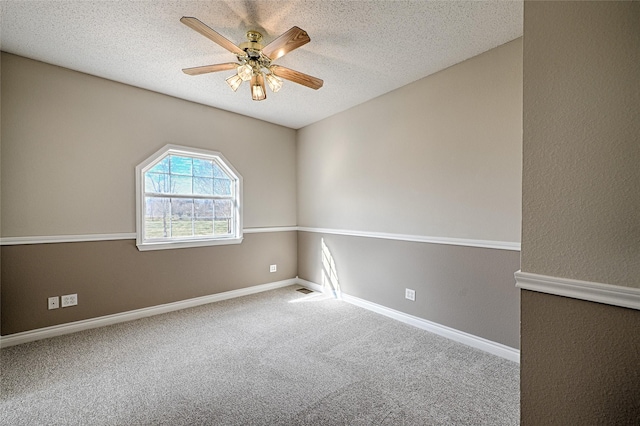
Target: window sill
167,245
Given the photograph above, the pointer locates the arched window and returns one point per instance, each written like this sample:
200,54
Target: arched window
187,197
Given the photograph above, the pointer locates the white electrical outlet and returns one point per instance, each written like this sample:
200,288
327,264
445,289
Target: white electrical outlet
410,294
69,300
273,268
54,302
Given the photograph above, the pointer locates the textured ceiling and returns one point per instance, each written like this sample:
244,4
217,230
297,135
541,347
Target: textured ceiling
361,49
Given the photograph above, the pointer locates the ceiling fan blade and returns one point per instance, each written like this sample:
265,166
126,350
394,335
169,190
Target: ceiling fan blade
287,42
210,68
297,77
203,29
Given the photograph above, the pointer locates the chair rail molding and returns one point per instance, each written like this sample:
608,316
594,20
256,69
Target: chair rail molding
626,297
12,241
499,245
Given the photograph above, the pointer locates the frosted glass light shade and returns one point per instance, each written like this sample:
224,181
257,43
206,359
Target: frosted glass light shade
245,72
234,82
258,91
275,82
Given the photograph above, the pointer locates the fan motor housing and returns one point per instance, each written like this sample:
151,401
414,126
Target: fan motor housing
252,46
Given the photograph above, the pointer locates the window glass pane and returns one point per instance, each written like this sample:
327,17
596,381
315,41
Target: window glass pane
202,186
223,210
157,218
161,167
202,168
181,184
181,165
156,182
222,186
218,172
181,217
222,227
203,217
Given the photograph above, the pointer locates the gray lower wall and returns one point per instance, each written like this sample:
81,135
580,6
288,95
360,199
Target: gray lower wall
113,276
466,288
580,362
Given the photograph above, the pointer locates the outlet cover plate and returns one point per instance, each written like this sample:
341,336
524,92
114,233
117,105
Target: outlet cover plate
273,268
53,302
410,294
69,300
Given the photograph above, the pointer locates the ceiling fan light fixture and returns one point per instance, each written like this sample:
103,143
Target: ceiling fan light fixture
258,91
255,61
234,82
245,72
275,82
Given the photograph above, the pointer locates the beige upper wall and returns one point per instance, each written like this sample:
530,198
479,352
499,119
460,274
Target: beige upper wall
581,176
70,143
439,157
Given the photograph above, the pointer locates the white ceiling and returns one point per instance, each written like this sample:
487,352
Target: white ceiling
361,49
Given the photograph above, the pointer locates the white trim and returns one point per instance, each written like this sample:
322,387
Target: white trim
500,245
167,245
72,327
489,346
310,285
11,241
272,229
626,297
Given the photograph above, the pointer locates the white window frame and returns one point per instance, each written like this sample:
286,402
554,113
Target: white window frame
184,242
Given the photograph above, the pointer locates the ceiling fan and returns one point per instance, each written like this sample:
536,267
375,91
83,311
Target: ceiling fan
255,61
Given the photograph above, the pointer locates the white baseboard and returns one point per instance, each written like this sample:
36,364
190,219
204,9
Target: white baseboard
489,346
72,327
